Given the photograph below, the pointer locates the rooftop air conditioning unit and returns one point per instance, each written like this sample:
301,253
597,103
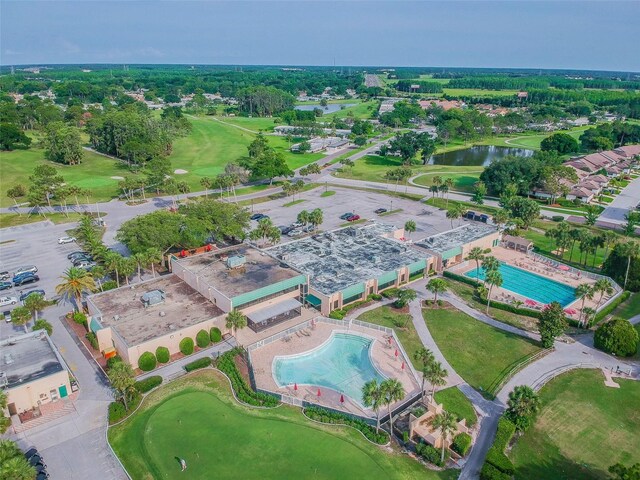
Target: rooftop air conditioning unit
162,313
154,297
236,261
116,317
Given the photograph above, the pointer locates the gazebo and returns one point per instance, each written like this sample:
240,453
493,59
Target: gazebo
517,243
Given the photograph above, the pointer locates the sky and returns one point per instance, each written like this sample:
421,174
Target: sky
600,35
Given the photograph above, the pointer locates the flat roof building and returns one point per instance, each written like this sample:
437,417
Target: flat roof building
32,372
347,264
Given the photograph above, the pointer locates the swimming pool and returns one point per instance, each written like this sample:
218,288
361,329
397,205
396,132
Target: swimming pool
530,285
342,363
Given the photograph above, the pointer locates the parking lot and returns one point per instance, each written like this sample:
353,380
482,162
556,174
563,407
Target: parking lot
429,220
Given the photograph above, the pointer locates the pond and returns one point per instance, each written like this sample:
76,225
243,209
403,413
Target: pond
481,155
330,108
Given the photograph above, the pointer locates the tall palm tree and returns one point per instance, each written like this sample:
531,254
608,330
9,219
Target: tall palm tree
448,182
206,183
426,358
20,316
393,391
154,256
315,217
447,423
127,267
609,239
410,226
453,214
112,262
17,468
523,405
35,303
435,286
588,314
373,397
236,320
437,376
490,263
98,272
476,254
75,282
585,292
631,250
140,260
493,279
602,286
122,380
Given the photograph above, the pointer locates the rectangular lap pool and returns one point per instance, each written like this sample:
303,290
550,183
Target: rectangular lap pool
530,285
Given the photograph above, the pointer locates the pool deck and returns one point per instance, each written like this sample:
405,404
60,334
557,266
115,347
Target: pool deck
382,355
529,263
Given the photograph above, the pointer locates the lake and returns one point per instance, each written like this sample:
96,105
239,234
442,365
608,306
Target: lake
330,108
481,155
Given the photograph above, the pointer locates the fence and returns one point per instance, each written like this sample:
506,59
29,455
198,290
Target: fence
543,380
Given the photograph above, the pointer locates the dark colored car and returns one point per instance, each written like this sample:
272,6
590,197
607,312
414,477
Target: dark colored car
345,216
285,230
257,216
30,453
380,210
25,279
37,460
74,254
353,218
5,285
24,296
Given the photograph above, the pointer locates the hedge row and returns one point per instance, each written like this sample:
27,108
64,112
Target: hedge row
432,454
495,456
461,443
342,312
93,340
489,472
327,416
143,386
461,278
196,364
611,307
243,391
390,292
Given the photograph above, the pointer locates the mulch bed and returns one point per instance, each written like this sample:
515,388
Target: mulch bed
243,368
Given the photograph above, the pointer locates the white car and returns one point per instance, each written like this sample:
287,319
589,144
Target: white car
62,240
4,301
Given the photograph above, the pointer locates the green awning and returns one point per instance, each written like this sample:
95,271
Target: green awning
313,300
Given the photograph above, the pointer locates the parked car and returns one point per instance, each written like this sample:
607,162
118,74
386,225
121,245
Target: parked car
73,254
296,225
284,230
62,240
30,453
81,258
7,316
36,459
380,210
353,218
308,229
24,296
258,216
5,275
5,285
4,301
26,269
85,265
42,476
295,232
24,279
345,216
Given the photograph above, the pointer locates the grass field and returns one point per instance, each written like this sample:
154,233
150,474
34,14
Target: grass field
478,352
388,316
454,401
462,182
582,429
478,92
630,308
13,219
361,110
533,141
196,419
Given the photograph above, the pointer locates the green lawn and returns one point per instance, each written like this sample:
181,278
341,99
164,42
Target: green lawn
630,308
478,92
361,110
454,401
13,219
257,124
479,353
533,140
388,316
582,429
462,182
196,419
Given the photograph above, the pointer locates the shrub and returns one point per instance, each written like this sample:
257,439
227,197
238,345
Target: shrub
495,455
489,472
162,354
93,340
243,391
461,278
390,292
328,416
202,339
147,362
337,314
116,412
80,318
375,296
487,250
109,285
611,307
113,360
461,443
196,364
617,337
432,454
143,386
215,335
186,346
557,218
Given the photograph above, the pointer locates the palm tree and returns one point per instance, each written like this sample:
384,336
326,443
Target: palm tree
35,303
437,181
393,391
453,214
206,183
304,217
112,262
4,425
18,468
436,376
154,256
476,254
410,226
426,358
373,397
588,314
98,272
127,266
236,320
603,287
75,282
631,249
585,292
141,261
523,404
609,238
449,184
447,423
490,263
315,217
493,278
122,380
42,324
405,296
20,316
435,286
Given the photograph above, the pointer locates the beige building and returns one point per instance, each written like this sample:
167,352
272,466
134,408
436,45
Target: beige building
453,246
32,372
422,427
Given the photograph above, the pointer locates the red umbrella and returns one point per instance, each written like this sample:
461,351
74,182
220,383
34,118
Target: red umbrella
402,366
295,387
341,398
530,303
396,353
563,268
570,311
319,394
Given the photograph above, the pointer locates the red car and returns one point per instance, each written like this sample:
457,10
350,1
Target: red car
353,218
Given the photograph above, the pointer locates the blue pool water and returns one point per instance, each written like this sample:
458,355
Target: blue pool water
342,364
530,285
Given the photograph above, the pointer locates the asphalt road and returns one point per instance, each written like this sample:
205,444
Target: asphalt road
622,204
